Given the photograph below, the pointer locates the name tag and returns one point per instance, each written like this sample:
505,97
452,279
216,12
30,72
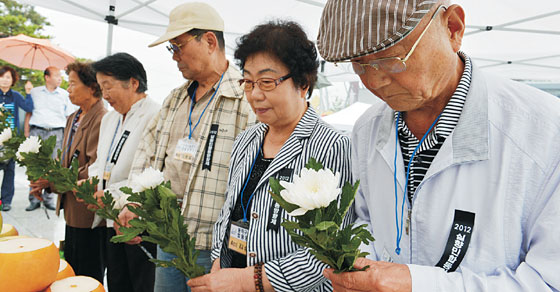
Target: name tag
238,234
186,150
107,172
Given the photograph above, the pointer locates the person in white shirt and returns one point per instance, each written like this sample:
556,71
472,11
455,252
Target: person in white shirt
51,108
123,82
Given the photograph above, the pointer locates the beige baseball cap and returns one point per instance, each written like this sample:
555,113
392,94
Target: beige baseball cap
188,16
350,29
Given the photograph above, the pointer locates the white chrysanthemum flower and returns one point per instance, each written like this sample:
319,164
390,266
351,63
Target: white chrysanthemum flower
311,190
30,145
148,179
5,136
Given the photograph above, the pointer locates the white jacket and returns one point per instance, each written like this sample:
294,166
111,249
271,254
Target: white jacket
501,163
136,120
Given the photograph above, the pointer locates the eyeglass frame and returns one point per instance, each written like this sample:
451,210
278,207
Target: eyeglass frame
373,63
176,48
277,82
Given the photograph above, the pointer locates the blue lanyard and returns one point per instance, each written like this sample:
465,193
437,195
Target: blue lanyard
112,141
405,194
193,97
246,208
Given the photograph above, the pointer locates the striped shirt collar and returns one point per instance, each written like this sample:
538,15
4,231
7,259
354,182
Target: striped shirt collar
450,114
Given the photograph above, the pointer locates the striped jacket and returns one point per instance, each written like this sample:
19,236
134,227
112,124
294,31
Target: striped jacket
289,267
204,194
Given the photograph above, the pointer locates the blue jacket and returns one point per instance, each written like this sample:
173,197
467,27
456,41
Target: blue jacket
12,96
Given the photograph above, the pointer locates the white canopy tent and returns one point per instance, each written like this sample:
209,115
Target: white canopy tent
514,38
345,119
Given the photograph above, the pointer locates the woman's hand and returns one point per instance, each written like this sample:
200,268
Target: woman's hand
234,280
28,86
124,217
215,266
98,195
37,187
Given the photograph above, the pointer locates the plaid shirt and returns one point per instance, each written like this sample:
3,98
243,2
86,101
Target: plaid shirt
204,194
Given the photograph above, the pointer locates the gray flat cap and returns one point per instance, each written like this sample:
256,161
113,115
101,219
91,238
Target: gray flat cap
354,28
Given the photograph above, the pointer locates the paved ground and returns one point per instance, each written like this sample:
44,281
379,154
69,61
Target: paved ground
33,223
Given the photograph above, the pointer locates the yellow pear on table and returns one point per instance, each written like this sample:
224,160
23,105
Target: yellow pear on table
76,284
27,264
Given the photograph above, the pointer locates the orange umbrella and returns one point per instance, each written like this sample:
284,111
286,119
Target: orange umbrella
33,53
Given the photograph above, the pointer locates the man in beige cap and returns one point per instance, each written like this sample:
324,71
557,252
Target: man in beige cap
191,138
473,157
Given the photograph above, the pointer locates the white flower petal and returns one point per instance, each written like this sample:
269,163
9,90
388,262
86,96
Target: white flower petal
312,189
30,145
5,135
298,212
148,179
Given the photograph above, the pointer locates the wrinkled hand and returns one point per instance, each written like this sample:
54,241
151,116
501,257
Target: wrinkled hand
79,183
224,280
28,86
37,187
124,217
97,195
379,277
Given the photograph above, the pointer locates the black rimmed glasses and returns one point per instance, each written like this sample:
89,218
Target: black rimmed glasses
265,84
393,64
176,48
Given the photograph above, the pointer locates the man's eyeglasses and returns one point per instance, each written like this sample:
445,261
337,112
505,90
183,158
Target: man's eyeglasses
393,64
265,84
176,48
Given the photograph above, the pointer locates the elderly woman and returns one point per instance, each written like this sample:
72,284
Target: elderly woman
11,101
83,246
124,83
280,69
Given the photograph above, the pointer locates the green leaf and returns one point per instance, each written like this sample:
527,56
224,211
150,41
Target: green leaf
326,225
347,197
312,163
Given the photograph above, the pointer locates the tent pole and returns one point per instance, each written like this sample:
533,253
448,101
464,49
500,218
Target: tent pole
111,20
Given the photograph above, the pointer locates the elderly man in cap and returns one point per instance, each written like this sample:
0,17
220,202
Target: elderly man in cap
191,138
459,170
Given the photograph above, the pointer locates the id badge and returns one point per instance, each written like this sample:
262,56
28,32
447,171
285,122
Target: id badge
238,234
186,150
107,172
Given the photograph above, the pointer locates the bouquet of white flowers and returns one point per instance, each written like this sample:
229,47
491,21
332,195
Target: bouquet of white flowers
312,200
35,155
160,216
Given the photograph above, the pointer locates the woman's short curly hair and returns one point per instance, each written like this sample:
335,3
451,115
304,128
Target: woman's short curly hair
86,74
288,42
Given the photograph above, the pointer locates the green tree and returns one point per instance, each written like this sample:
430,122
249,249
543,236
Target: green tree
16,18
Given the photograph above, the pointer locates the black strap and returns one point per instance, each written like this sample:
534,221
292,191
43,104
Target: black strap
274,217
119,147
209,150
458,241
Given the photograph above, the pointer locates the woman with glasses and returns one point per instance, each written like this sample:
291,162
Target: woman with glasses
280,69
